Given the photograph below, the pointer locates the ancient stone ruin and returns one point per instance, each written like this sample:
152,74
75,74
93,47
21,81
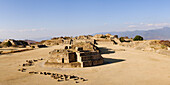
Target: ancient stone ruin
14,43
75,56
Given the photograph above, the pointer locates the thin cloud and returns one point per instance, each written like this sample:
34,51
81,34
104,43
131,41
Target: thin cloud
23,33
30,30
160,25
132,26
149,25
105,24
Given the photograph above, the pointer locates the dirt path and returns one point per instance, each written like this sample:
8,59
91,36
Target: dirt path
129,67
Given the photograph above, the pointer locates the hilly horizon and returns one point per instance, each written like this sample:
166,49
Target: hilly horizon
158,34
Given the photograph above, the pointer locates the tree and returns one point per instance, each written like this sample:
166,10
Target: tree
138,38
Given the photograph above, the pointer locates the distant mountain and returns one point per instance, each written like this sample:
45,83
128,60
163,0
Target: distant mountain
1,40
30,41
159,34
40,39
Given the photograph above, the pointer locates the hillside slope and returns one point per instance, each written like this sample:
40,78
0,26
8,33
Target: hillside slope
160,34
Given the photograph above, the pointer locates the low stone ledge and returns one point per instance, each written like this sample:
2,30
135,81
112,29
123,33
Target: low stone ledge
64,65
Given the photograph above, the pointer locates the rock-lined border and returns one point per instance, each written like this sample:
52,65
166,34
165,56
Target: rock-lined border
56,76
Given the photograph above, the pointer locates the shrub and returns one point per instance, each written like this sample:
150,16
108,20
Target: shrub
32,47
54,38
116,36
65,38
122,39
138,38
104,36
126,37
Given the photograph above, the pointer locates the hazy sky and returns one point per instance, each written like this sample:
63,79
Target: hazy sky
30,19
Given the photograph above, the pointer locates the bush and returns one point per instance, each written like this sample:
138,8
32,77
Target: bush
65,38
116,36
32,47
138,38
122,39
104,36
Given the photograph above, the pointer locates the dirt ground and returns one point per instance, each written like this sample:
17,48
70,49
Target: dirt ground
129,67
9,49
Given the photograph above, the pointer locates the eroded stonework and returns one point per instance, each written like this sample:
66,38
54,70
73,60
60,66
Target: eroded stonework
75,56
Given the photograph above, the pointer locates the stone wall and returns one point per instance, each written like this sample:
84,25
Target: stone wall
98,62
72,57
93,62
56,42
59,57
84,40
85,54
64,65
90,58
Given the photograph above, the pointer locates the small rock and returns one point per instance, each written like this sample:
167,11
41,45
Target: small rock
81,78
85,79
71,77
76,79
23,70
48,73
30,64
31,72
60,80
30,61
23,65
35,60
55,77
19,69
35,72
53,74
45,73
41,72
77,82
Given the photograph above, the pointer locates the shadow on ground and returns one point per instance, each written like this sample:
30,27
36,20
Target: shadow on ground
104,50
110,60
8,49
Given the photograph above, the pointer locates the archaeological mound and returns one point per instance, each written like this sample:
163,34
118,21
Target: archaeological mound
78,55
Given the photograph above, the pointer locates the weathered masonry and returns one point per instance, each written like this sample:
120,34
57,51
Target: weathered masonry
74,57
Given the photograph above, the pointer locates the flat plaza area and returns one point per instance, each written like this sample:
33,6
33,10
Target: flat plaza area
121,67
